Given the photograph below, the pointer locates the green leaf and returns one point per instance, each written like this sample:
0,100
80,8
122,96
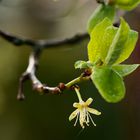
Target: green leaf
109,83
107,40
127,4
82,64
128,47
119,40
111,45
125,70
99,14
95,44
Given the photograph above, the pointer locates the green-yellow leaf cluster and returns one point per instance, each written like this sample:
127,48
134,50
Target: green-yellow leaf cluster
108,47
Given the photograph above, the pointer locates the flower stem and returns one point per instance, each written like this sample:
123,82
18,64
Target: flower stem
78,94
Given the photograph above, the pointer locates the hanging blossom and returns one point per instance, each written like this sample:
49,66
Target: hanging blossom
83,111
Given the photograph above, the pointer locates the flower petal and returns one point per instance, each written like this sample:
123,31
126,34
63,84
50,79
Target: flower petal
76,119
93,111
88,101
76,105
73,114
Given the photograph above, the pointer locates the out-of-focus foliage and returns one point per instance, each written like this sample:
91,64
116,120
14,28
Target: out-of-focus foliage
41,19
127,4
99,14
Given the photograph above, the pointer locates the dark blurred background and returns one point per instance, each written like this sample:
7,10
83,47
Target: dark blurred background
46,117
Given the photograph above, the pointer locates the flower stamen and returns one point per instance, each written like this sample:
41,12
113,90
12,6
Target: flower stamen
91,119
77,117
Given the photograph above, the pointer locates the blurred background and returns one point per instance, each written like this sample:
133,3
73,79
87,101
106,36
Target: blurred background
46,117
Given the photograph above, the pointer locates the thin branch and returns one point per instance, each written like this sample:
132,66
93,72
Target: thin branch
29,74
17,41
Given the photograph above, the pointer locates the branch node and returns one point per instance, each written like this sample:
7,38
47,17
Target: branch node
61,86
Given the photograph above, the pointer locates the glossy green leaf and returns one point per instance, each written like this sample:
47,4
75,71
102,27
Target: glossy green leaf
99,14
110,44
107,40
109,83
128,47
82,64
127,4
95,44
119,40
125,70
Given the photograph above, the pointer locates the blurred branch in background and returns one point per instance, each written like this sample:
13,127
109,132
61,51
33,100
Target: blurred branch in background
42,43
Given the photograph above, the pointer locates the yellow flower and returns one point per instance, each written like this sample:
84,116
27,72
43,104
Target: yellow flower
83,113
